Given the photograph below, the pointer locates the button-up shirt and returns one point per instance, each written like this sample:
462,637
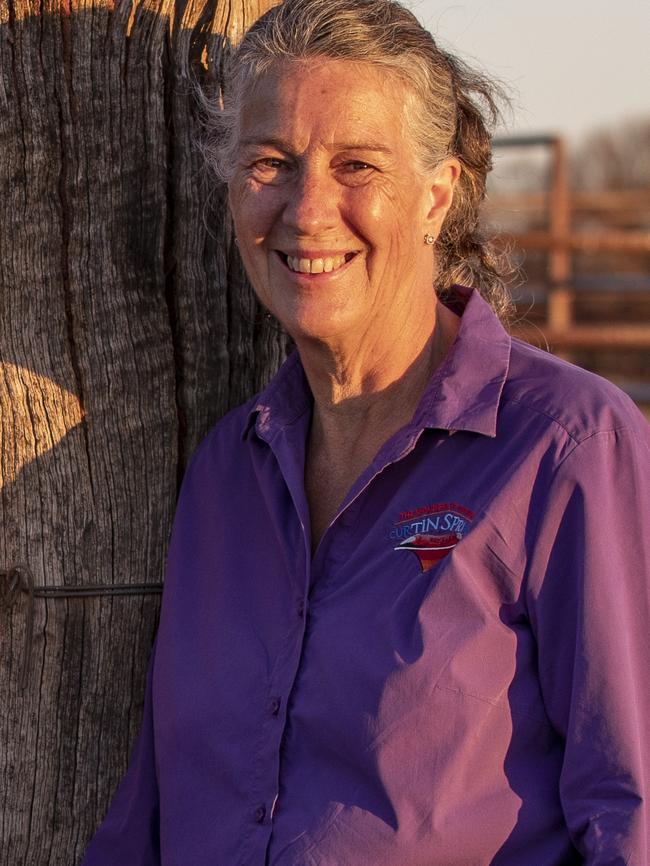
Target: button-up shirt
458,675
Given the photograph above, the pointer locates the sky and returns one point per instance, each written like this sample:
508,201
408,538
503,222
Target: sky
571,66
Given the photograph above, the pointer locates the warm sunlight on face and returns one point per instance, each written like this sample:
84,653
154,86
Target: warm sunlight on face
42,413
329,202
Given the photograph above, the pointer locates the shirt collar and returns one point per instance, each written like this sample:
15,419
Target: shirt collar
285,399
463,393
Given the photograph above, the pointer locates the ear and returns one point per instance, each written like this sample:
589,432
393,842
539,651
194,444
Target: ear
441,194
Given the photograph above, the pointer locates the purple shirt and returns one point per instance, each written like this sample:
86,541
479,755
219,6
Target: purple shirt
459,675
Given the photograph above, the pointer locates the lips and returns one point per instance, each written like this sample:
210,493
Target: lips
318,264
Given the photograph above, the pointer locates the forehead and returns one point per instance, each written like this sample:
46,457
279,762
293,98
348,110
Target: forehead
327,100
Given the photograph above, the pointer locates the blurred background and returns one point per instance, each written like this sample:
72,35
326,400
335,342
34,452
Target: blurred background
570,191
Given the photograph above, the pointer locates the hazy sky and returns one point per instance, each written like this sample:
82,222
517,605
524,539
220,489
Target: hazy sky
572,65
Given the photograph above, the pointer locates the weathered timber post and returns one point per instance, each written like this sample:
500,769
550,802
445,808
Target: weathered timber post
126,330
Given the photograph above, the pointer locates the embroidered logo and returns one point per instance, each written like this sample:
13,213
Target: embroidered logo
432,531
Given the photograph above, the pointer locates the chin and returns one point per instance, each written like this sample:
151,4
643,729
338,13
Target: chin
320,326
312,321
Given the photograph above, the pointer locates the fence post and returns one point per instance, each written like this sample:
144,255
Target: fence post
560,300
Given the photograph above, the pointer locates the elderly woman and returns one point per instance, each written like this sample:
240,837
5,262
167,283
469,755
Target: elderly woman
405,620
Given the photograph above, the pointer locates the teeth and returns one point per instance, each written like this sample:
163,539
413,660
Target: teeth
316,266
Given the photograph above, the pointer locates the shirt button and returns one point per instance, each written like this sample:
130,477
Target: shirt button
275,705
260,814
301,608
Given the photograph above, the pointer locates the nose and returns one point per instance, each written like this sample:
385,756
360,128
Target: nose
312,206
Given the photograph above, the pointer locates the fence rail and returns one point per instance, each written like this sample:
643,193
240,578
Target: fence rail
560,242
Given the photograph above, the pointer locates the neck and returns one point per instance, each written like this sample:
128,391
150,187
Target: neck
373,388
360,401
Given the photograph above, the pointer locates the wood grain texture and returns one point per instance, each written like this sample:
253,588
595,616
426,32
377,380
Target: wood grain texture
127,329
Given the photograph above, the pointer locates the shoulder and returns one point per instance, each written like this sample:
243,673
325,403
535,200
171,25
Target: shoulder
220,456
234,438
226,438
577,403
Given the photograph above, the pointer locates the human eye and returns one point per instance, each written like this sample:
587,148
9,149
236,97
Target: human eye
356,172
269,169
356,166
271,162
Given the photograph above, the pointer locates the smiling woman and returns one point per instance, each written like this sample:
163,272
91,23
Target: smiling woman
446,108
398,577
324,204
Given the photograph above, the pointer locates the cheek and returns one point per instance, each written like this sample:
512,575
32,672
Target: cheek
251,208
390,220
371,213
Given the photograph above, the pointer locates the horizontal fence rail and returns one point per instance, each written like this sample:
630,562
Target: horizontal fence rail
558,208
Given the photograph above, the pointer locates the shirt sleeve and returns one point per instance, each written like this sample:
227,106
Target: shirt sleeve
589,607
130,832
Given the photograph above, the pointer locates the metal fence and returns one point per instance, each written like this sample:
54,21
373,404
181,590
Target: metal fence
563,305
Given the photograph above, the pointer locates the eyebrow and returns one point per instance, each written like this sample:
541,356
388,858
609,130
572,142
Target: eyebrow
281,144
375,148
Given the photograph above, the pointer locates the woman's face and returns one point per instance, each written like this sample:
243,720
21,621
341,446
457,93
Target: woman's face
330,204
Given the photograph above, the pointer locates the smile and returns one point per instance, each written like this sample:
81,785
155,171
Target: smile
324,265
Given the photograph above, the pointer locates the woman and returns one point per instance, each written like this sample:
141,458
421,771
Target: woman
405,616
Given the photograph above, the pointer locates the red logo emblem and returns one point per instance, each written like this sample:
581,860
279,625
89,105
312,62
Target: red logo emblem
431,532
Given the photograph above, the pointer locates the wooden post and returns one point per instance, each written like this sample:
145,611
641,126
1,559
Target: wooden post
559,305
126,329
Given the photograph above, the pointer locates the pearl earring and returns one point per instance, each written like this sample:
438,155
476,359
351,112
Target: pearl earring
429,240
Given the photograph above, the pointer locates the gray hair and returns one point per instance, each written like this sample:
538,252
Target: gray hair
457,108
